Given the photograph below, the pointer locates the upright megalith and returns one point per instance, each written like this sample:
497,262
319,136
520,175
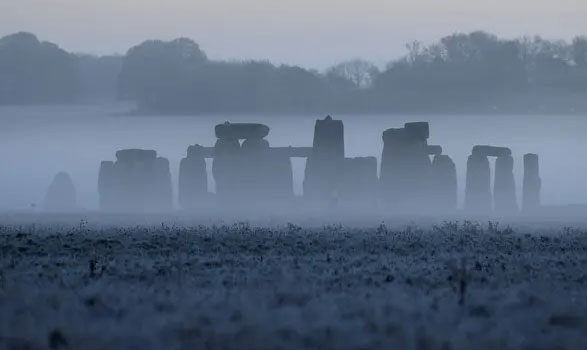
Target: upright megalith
61,195
406,167
324,167
162,195
138,181
226,168
359,185
107,185
255,165
193,178
478,184
478,196
504,187
443,194
532,183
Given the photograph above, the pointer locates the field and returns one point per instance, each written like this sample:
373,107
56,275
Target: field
439,285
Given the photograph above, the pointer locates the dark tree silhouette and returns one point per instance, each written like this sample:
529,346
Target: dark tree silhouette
36,72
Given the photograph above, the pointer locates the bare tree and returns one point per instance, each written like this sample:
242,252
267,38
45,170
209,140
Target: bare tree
359,72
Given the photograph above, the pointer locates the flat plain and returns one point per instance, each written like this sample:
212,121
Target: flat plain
444,285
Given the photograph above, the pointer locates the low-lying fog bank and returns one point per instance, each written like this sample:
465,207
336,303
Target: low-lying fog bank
86,284
38,142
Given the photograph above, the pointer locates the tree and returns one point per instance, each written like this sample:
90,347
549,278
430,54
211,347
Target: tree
150,67
33,72
580,51
359,72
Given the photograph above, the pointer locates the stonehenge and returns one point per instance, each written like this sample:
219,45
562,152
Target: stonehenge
532,183
138,181
61,195
249,174
478,195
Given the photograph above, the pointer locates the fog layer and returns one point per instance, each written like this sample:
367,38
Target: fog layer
38,142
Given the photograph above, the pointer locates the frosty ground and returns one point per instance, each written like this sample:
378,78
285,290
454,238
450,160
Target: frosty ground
394,285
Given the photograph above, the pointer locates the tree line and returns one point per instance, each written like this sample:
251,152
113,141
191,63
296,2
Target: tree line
461,73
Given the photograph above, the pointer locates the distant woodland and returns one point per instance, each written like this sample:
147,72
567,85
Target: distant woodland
461,73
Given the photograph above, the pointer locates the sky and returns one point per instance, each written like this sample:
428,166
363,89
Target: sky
309,33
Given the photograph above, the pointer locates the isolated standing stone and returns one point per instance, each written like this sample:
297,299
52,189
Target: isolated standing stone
504,188
61,195
532,183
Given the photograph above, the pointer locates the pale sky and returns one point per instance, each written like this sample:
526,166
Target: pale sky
310,33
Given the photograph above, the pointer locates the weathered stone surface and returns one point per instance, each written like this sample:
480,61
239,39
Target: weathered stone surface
532,183
418,130
61,195
292,152
131,155
434,150
226,168
253,171
491,151
241,131
504,188
359,183
443,195
192,182
163,190
136,182
405,169
324,167
199,151
106,184
478,184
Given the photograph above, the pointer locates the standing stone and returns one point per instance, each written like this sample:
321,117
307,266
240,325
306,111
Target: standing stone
359,183
444,184
137,182
406,168
61,195
162,186
478,184
504,188
226,169
106,185
280,178
193,178
324,167
254,169
532,183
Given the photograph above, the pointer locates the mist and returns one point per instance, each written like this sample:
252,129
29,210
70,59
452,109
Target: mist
40,141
